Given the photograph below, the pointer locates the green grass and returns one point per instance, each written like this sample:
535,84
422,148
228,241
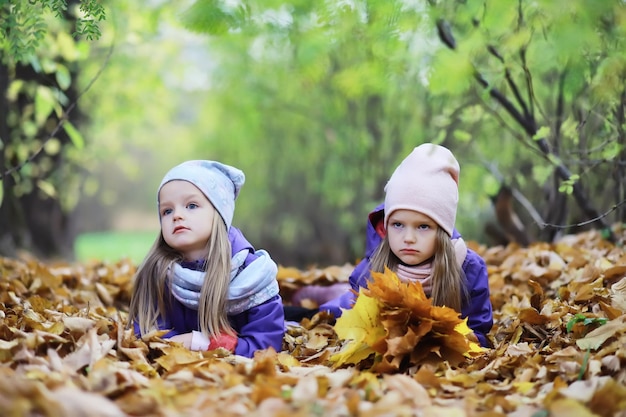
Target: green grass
113,246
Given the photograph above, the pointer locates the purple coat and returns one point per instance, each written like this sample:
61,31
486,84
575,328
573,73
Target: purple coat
477,309
257,328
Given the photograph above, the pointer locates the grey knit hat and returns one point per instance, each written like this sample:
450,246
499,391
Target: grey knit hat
220,183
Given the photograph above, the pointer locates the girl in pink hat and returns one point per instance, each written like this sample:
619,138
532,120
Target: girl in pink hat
416,239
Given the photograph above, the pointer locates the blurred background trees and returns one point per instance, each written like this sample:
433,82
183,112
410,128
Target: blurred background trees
318,101
41,161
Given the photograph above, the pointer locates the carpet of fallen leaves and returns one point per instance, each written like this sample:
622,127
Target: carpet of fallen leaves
559,350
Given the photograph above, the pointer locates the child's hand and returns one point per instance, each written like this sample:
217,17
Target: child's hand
184,339
198,341
223,340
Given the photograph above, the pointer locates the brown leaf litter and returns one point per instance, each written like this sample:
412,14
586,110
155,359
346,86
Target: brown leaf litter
559,340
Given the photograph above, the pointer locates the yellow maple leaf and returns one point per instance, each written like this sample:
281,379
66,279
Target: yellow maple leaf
464,329
361,327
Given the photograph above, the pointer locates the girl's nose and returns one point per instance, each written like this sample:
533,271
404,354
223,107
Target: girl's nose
409,236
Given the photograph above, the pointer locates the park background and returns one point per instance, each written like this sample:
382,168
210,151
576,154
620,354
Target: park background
316,102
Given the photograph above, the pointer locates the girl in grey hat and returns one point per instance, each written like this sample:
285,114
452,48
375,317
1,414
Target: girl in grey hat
202,280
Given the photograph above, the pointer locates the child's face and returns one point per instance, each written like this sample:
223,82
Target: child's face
186,218
412,236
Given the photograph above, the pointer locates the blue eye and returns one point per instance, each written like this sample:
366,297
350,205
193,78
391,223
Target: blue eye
397,225
166,212
192,206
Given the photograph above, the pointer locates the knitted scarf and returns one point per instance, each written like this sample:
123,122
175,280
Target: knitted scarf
249,286
423,273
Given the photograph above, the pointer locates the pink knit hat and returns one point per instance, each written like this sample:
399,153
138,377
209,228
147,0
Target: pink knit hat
426,181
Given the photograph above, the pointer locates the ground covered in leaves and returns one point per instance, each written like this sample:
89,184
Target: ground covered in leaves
559,350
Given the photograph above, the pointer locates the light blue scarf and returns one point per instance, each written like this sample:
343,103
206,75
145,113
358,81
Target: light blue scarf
250,287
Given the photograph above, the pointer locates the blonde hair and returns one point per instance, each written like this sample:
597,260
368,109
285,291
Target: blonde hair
151,300
448,279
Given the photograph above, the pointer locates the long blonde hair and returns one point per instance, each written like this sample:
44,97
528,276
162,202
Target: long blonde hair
448,279
150,296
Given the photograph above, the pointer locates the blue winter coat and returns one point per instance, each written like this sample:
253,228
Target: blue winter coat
477,309
257,328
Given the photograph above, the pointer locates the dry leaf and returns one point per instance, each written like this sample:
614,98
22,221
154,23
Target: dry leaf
361,327
596,338
395,321
64,341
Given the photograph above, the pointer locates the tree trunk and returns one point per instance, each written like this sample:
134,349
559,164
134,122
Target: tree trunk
10,237
33,221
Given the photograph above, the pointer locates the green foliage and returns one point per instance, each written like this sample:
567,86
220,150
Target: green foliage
75,136
24,24
36,106
325,98
126,133
87,26
319,110
208,16
318,103
584,366
567,186
586,321
20,29
144,107
40,53
560,65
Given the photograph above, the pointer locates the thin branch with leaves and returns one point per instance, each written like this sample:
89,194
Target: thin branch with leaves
64,117
529,125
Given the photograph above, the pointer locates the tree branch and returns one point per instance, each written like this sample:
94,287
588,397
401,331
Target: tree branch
530,209
586,222
529,82
507,75
530,127
62,119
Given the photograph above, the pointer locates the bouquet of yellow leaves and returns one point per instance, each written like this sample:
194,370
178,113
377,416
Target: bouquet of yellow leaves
394,326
